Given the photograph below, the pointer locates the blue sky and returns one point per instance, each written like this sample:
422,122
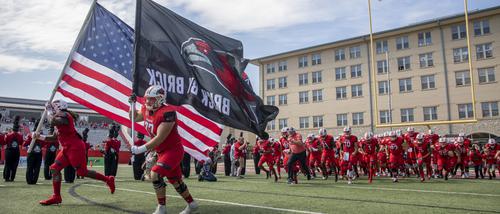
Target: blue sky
36,37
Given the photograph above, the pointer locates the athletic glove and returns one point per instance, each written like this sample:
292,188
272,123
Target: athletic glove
138,149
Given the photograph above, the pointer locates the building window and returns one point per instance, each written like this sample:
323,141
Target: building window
426,60
490,109
404,63
302,61
271,125
402,43
317,121
462,78
481,27
340,73
385,117
428,82
458,32
316,59
405,85
303,97
460,54
355,52
341,92
282,66
270,68
357,90
382,46
283,99
382,67
341,119
282,82
407,115
317,95
339,54
304,122
271,100
484,51
357,119
355,71
486,75
430,113
465,111
316,77
270,84
303,79
424,39
383,87
283,123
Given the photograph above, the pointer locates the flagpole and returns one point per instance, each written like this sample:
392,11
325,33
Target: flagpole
135,76
68,60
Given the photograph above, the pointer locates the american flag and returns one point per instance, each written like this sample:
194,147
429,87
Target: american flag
99,76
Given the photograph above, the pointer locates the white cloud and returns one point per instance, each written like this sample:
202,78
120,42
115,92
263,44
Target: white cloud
43,82
13,64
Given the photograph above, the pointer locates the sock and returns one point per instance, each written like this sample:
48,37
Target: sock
162,200
95,175
188,199
56,186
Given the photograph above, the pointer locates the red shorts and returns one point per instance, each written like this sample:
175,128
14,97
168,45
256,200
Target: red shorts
328,158
73,157
269,160
315,159
169,164
370,159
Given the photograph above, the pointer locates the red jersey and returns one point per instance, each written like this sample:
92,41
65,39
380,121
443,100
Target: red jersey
267,149
112,145
314,146
227,149
395,148
369,146
422,149
256,148
294,147
476,157
13,140
410,137
51,146
327,142
2,140
277,149
463,150
165,113
433,138
348,142
67,135
443,150
37,147
237,152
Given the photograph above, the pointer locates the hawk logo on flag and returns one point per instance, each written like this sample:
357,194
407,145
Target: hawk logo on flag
199,55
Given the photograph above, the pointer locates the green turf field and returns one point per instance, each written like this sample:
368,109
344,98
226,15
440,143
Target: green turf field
255,194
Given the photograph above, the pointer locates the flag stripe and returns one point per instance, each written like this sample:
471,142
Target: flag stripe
194,111
100,77
111,115
102,70
193,147
196,154
203,139
195,127
199,119
95,93
192,139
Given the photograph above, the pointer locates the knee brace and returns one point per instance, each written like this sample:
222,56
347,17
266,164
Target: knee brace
159,183
181,187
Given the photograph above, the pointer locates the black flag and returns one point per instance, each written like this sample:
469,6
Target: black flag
197,67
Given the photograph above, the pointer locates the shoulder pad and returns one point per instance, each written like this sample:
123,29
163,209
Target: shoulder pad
169,116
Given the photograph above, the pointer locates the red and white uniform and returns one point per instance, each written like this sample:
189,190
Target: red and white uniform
277,150
314,147
444,161
170,151
395,148
348,148
370,150
328,152
266,148
463,150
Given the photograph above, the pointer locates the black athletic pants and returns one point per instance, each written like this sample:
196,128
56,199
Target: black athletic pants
50,157
137,166
256,158
301,157
11,162
33,168
186,165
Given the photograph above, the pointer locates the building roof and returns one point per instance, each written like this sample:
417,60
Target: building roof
363,37
22,103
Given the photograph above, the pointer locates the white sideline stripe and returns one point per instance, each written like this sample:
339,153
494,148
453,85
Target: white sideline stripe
2,185
216,201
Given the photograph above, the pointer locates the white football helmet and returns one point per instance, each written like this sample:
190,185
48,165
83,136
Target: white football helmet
310,136
322,132
410,129
157,92
56,106
368,135
492,141
420,136
430,131
284,130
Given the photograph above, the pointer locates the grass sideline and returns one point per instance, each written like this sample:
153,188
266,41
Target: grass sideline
255,194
